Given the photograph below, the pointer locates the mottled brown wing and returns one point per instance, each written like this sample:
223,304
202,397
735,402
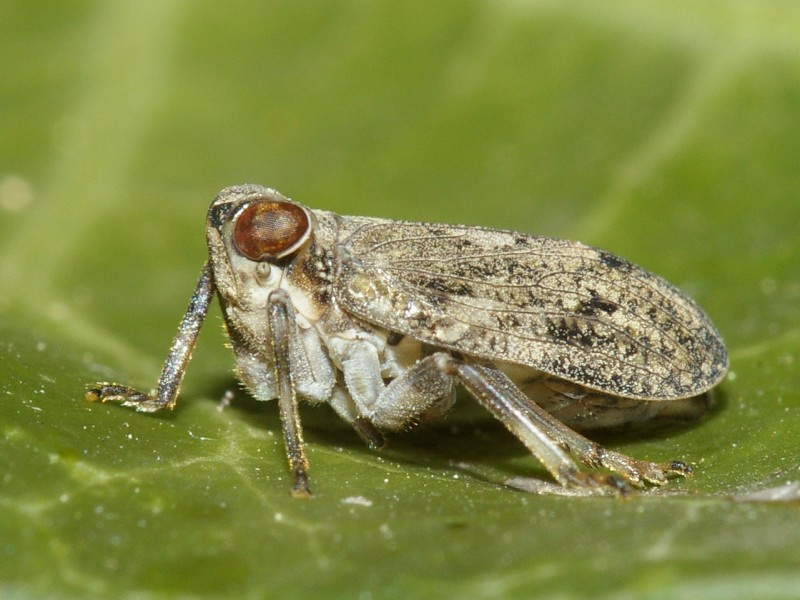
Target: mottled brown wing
562,307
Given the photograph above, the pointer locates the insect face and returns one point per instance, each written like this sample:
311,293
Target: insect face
255,237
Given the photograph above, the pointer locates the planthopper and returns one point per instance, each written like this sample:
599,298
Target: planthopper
383,319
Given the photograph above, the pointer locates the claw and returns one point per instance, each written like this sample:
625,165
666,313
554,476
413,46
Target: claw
638,472
678,467
659,473
126,396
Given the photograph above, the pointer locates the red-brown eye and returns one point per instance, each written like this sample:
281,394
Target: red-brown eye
270,228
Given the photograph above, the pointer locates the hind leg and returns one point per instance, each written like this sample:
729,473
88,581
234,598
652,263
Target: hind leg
550,440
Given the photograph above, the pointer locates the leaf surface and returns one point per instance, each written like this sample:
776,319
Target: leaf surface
667,136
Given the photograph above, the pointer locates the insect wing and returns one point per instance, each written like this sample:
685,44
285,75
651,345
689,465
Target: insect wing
562,307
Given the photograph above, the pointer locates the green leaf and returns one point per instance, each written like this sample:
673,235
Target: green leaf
667,134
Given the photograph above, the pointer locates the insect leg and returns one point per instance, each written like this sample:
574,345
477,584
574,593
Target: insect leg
422,390
586,451
282,327
343,405
174,368
593,454
496,392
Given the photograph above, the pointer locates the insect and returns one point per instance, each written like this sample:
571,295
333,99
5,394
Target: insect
381,319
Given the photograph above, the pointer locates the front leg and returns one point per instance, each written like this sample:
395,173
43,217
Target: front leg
174,368
283,328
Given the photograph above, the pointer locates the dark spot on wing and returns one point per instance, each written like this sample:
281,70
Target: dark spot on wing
448,287
595,305
614,262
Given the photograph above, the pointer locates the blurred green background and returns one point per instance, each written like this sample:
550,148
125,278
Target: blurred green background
667,132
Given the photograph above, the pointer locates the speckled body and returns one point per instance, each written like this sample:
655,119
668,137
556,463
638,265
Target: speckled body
380,319
542,309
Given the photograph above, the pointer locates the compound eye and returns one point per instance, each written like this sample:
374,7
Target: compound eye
271,229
